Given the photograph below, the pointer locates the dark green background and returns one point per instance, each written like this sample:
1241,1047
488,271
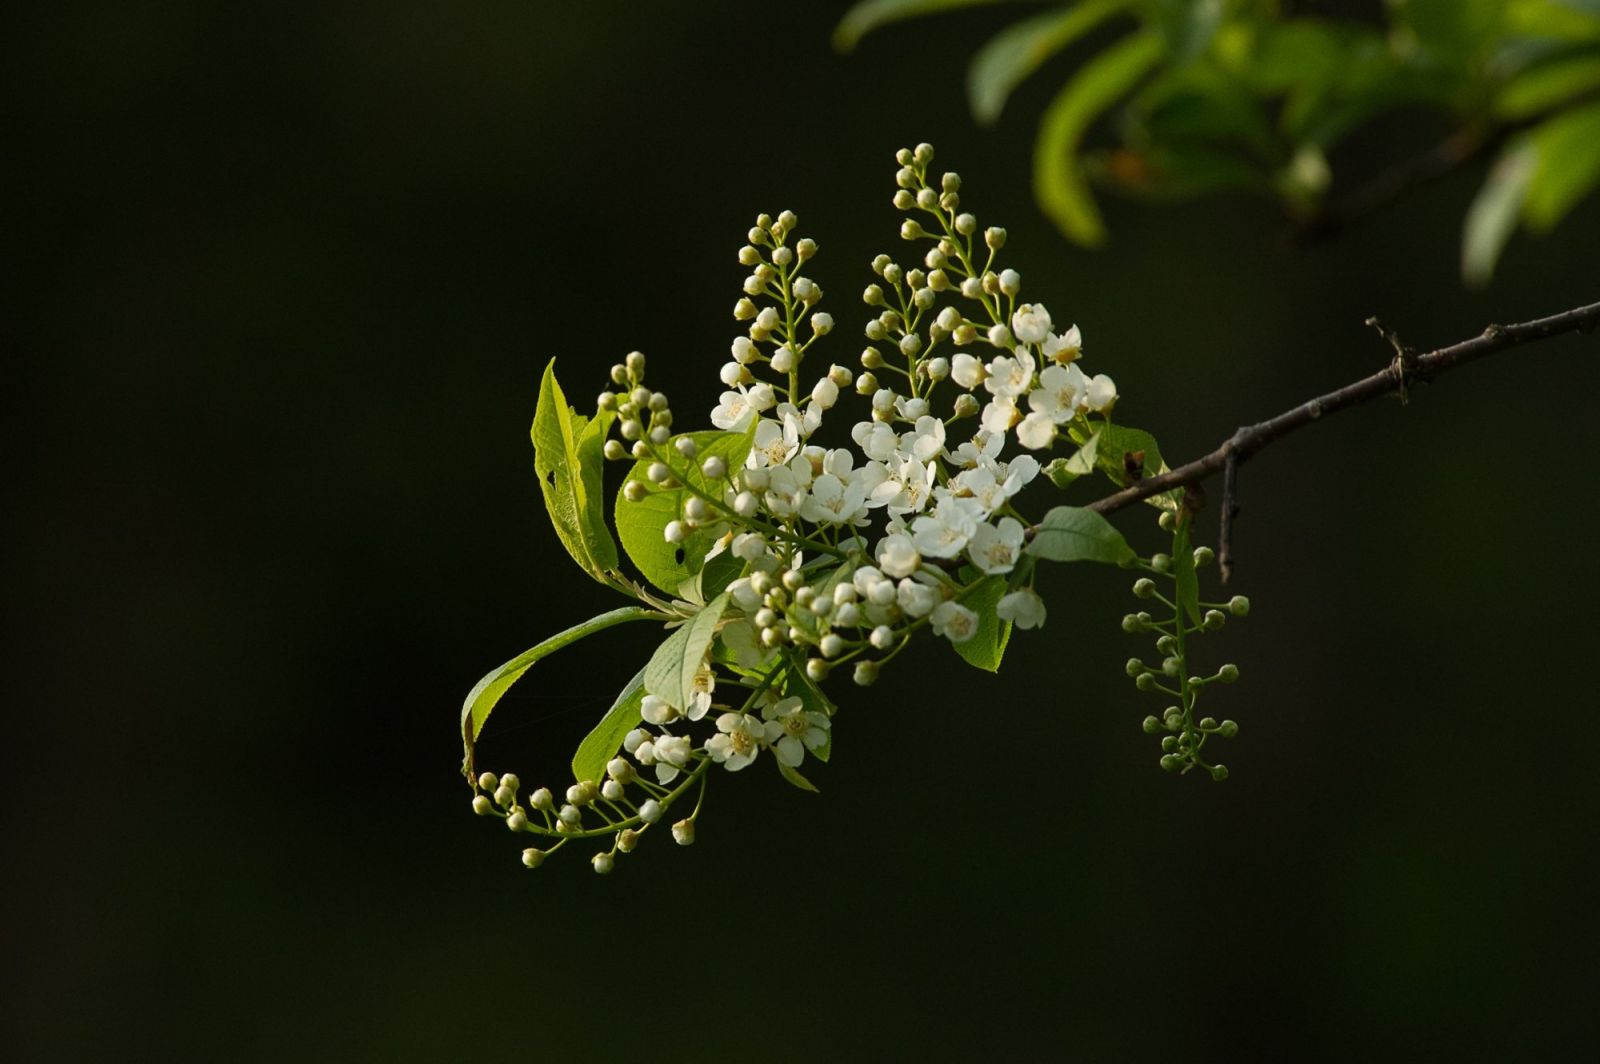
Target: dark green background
280,282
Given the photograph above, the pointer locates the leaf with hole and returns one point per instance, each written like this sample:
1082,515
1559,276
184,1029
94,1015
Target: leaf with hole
567,458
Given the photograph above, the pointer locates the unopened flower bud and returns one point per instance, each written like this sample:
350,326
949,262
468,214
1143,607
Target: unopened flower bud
488,781
634,491
817,669
532,858
683,832
659,432
1219,772
611,790
1203,556
1228,673
504,796
603,862
1144,587
627,839
1161,562
927,199
866,384
1010,282
911,229
650,811
1239,606
832,645
542,799
1151,725
1228,729
1135,667
995,237
517,820
1213,620
482,806
615,451
805,248
1171,762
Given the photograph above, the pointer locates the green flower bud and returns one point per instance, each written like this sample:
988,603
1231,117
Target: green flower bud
1172,717
817,669
1166,645
1219,772
615,451
1171,666
1171,762
1213,620
1204,556
866,673
627,839
1239,606
1151,725
635,491
1130,623
1144,587
1228,729
1146,681
482,806
1228,673
1169,744
533,858
1135,667
1161,562
1208,723
488,781
1167,521
995,237
517,820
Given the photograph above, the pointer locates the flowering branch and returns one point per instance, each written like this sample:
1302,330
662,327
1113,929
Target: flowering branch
1406,369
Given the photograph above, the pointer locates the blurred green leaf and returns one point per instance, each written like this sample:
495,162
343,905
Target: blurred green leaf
1058,178
1492,218
868,15
1017,51
987,646
1548,85
564,444
670,673
601,744
1451,29
1075,534
1569,165
1562,20
483,697
1188,25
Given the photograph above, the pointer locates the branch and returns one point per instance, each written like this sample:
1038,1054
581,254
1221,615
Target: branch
1406,369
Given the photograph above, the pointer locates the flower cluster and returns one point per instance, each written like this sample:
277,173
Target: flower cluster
784,546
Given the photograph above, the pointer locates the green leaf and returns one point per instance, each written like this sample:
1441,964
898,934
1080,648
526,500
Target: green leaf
1492,218
642,525
988,644
671,671
1183,571
600,745
1058,178
1453,28
1569,166
482,698
564,444
1117,443
1546,86
1063,471
799,685
1017,51
1075,534
1564,20
868,15
794,777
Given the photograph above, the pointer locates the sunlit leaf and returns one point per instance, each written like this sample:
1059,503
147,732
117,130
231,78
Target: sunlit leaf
567,458
601,744
483,697
1017,51
672,668
641,525
1548,85
1058,179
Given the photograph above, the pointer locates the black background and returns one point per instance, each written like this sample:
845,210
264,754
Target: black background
280,281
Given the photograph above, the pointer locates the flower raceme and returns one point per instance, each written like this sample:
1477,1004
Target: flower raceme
775,558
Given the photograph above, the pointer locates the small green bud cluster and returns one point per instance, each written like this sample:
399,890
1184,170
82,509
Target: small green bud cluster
1182,736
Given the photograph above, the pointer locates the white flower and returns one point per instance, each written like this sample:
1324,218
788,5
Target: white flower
786,487
1063,348
983,447
897,555
926,439
733,412
1102,394
979,485
905,490
1031,323
748,546
656,711
744,352
1036,431
833,502
762,397
953,621
966,371
825,393
996,548
910,408
917,600
1020,472
744,596
1010,375
1060,393
671,754
774,444
1023,608
792,729
705,682
737,742
876,439
1000,415
945,532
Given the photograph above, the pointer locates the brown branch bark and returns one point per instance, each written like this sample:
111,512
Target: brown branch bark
1406,369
